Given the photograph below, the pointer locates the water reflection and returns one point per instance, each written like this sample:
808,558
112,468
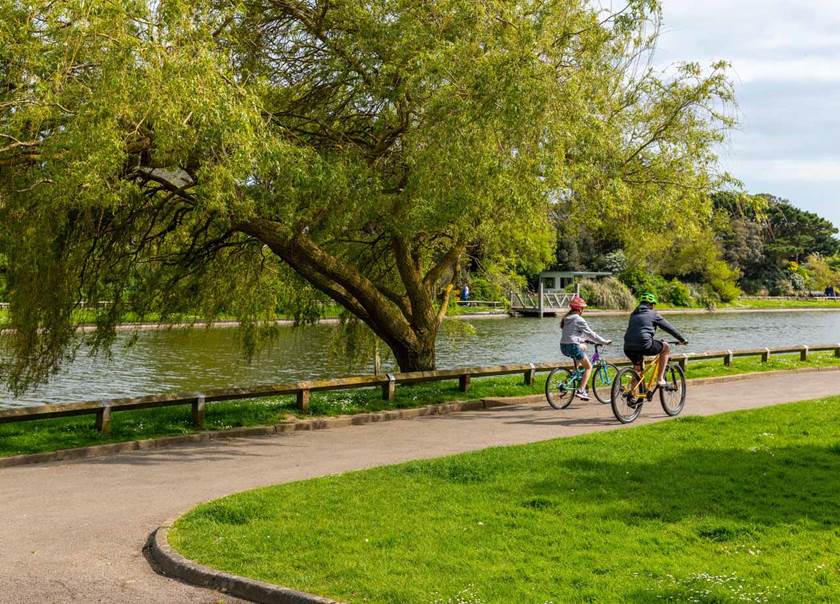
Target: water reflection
183,360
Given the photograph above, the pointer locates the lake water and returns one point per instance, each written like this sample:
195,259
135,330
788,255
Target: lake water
188,360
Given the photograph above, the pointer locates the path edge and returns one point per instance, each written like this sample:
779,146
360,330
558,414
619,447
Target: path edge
321,423
169,563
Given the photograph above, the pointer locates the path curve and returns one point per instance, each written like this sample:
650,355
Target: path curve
74,531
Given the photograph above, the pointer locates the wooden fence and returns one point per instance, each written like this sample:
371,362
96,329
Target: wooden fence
388,383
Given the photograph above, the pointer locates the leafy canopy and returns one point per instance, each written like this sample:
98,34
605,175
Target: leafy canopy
177,157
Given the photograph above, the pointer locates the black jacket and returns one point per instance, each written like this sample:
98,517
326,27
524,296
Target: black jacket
642,327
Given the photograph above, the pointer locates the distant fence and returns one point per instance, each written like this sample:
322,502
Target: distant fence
388,383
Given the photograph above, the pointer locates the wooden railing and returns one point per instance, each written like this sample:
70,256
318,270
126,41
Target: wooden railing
388,383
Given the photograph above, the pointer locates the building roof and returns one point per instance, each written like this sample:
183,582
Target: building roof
577,273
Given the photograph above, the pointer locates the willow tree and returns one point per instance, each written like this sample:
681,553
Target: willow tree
175,156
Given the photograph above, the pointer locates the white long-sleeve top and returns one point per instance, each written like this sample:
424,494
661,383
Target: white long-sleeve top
576,331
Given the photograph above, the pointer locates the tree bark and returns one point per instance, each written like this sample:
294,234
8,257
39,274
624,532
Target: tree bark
408,325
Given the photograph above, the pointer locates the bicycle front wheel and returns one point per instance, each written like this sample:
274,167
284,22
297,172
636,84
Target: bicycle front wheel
626,400
560,388
602,381
672,395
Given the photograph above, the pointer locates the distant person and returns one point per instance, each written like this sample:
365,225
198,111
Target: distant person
465,293
829,291
576,332
639,341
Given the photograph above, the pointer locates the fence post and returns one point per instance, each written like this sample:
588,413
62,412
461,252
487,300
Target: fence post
727,360
765,356
541,295
803,356
464,382
103,420
389,389
198,411
531,375
682,362
837,351
303,396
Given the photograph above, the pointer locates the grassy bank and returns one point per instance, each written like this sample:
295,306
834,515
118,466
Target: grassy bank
740,507
64,433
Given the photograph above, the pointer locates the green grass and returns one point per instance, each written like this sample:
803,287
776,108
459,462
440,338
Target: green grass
741,507
64,433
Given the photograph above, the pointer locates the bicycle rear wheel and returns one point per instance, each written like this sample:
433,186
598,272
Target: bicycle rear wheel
560,388
672,395
626,400
602,381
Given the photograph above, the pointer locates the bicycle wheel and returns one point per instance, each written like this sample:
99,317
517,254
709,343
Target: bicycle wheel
625,398
602,380
672,395
560,388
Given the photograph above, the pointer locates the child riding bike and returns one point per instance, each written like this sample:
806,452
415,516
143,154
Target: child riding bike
639,341
576,332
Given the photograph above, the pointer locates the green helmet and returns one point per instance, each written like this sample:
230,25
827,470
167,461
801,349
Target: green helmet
648,297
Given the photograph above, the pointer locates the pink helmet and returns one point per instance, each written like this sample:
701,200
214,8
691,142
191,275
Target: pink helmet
577,303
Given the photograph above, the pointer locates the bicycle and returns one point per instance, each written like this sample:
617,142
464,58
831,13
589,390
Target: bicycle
630,391
562,384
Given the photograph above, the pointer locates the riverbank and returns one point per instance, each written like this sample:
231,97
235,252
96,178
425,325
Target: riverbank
70,432
331,318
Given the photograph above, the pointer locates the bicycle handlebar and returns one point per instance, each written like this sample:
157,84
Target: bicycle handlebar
678,343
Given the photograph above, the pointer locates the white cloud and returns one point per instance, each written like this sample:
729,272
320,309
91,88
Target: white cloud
788,170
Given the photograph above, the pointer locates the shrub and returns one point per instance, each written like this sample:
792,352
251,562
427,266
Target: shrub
609,293
677,293
640,281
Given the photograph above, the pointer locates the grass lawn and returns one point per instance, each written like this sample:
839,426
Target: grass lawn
741,507
64,433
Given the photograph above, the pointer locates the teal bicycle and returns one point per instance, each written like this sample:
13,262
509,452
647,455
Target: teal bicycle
562,384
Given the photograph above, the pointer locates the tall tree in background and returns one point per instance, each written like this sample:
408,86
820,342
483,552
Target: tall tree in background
180,156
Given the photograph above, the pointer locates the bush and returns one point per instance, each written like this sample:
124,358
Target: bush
677,293
723,280
640,281
609,293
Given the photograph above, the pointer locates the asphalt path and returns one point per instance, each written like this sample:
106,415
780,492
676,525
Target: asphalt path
74,531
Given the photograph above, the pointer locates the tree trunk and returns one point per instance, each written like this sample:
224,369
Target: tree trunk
408,323
418,356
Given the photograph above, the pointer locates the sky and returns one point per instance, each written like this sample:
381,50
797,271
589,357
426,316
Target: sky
785,58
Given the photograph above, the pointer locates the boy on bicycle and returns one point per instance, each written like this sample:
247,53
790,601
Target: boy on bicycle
576,332
639,341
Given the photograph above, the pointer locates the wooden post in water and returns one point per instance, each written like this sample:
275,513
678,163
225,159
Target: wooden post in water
377,358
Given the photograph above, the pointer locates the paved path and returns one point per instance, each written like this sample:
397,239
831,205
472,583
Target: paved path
73,532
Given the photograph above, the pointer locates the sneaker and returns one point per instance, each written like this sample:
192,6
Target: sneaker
582,394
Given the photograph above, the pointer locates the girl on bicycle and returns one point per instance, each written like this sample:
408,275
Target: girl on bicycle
576,332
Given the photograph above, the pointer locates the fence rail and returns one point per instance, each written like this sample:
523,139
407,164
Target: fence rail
388,383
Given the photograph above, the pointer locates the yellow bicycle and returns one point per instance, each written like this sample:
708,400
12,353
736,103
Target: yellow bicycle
630,390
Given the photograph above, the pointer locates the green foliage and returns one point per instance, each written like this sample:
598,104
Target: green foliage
677,293
819,273
762,234
609,293
176,157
